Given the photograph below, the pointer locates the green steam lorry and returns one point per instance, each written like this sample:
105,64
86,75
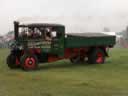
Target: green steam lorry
42,42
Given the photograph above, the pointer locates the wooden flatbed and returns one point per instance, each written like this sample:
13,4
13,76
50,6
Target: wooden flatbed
89,39
89,34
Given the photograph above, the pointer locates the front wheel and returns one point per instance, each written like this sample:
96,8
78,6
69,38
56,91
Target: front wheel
29,62
12,61
96,56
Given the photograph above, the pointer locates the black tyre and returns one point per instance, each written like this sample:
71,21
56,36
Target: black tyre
96,56
11,61
29,62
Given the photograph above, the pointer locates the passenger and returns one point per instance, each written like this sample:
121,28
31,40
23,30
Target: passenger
30,33
36,33
48,36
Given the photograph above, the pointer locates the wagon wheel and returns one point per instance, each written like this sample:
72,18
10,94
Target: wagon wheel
12,61
97,56
29,62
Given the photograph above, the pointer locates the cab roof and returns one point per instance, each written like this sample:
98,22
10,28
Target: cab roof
41,25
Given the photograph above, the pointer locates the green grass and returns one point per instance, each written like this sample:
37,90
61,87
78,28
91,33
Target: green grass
65,79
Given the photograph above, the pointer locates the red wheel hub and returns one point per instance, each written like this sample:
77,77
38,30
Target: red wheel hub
17,61
30,62
99,57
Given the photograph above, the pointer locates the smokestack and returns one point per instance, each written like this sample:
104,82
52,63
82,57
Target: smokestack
16,29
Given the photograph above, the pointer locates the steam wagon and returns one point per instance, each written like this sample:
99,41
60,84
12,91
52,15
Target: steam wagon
42,42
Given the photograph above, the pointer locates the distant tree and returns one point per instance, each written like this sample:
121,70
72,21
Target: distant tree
10,32
106,29
125,34
127,31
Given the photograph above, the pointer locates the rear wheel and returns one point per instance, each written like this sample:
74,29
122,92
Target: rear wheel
96,56
12,61
29,62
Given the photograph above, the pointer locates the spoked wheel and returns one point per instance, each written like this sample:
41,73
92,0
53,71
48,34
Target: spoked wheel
12,61
97,56
29,62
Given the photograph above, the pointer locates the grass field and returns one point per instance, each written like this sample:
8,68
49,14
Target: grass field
66,79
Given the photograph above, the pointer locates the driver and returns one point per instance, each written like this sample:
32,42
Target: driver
48,36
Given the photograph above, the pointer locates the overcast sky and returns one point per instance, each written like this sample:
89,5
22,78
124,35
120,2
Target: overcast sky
91,15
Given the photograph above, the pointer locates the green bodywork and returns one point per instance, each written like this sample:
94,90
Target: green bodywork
73,41
62,41
60,44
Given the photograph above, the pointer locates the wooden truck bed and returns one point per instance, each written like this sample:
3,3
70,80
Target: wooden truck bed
75,40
